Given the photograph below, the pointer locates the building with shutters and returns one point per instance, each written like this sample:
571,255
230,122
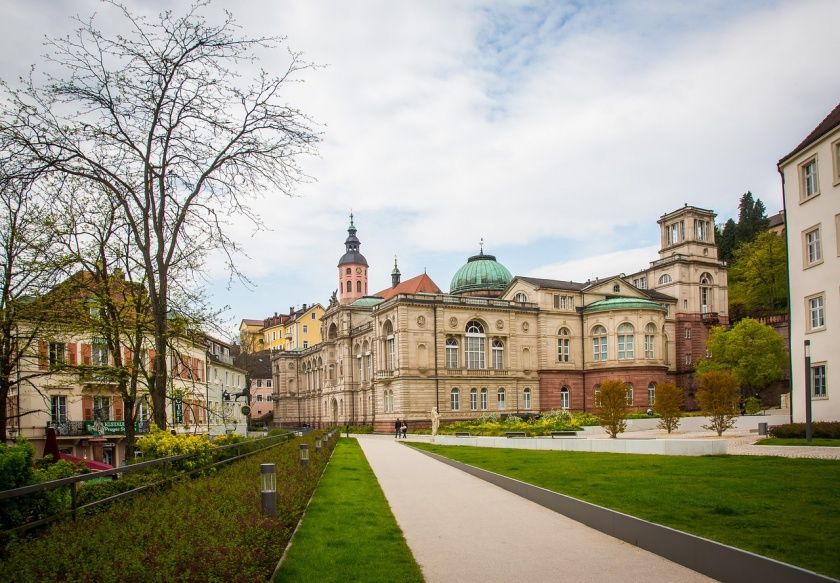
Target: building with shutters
499,344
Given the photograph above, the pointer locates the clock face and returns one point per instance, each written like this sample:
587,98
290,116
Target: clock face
358,270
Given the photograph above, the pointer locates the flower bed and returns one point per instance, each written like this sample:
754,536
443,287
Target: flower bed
493,425
210,528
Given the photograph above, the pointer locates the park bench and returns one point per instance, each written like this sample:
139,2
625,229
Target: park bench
516,434
462,434
567,433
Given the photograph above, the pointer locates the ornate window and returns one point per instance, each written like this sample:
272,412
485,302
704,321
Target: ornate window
483,399
664,278
359,287
390,346
652,394
626,349
563,343
473,399
349,287
501,395
705,293
650,340
564,398
451,352
474,345
526,398
498,354
455,399
599,343
520,297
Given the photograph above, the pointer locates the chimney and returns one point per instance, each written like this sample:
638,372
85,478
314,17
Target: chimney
304,307
291,310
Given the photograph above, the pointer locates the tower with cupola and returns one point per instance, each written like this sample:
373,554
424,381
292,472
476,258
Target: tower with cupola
352,269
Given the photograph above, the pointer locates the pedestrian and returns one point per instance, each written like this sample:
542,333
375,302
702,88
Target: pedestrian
404,429
397,427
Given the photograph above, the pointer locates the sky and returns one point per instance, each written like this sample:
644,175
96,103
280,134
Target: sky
557,132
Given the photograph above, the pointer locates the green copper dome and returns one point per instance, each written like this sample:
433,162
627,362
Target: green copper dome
623,304
481,273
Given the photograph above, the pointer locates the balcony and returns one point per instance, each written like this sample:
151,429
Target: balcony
86,428
475,372
710,318
385,374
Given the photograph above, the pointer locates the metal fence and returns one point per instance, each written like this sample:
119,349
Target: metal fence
169,473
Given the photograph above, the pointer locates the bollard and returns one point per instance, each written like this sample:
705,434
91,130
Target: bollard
304,454
268,489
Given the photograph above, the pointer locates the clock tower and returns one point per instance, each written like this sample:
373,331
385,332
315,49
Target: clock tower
352,269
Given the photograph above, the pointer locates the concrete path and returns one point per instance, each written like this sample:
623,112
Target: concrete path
462,529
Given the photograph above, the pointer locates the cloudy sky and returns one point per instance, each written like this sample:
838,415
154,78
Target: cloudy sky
558,132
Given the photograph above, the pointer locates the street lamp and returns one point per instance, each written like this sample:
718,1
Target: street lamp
317,445
268,489
808,428
304,454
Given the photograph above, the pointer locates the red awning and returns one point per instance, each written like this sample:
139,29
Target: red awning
91,464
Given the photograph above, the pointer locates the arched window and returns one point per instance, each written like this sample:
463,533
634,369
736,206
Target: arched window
629,393
451,352
563,343
526,398
705,293
652,394
473,399
664,278
564,398
368,360
390,345
498,354
520,297
650,340
483,399
455,399
599,343
349,287
361,364
501,395
474,345
626,349
333,333
348,271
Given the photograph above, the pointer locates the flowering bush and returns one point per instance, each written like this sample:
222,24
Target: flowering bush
158,443
490,424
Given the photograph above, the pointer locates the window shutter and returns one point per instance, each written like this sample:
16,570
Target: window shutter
118,408
187,408
43,360
152,356
71,353
87,407
86,354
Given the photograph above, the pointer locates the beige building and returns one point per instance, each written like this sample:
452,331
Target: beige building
811,186
497,344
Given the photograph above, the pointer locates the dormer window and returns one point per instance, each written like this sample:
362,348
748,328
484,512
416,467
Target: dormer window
616,288
520,297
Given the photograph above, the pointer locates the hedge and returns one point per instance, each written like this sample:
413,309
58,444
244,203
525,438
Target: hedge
822,429
207,529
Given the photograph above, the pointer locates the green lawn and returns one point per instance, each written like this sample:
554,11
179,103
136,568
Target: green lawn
782,508
348,532
815,441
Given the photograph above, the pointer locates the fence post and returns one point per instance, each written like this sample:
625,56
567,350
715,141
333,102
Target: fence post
74,490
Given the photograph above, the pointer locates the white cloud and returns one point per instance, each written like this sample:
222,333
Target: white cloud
598,266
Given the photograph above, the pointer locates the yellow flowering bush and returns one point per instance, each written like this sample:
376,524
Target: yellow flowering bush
158,443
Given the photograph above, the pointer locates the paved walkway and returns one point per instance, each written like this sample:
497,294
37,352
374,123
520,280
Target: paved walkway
461,528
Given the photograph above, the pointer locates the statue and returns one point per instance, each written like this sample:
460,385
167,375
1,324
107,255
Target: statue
435,421
334,298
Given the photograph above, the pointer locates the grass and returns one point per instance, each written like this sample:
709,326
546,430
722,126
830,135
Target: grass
348,532
782,508
816,441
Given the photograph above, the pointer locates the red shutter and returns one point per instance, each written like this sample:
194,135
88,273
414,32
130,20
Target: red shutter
71,353
118,408
202,371
43,359
152,356
86,354
87,407
187,407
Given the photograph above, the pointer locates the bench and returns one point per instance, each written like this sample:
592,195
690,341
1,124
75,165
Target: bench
563,434
516,434
462,434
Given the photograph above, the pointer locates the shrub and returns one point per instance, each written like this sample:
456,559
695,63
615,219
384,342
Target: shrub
718,395
820,429
752,405
612,410
669,401
158,443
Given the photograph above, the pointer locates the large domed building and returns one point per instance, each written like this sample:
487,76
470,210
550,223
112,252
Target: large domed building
503,344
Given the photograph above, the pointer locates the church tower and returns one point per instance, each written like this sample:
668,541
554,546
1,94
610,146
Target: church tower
352,269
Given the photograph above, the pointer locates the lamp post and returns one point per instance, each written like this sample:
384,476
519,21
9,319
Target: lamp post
317,445
304,454
808,428
268,489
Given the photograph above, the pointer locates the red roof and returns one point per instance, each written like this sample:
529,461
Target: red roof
419,284
831,121
252,322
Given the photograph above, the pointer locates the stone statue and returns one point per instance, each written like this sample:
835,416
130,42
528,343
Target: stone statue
435,421
334,298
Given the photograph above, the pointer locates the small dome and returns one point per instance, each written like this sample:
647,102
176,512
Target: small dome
611,304
482,273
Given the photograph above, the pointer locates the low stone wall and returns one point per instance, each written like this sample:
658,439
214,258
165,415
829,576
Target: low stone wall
689,447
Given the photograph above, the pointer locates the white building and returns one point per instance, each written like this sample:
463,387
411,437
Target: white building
811,186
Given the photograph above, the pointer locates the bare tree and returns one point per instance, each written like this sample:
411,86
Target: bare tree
159,119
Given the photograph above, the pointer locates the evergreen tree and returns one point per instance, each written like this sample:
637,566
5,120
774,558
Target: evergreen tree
725,239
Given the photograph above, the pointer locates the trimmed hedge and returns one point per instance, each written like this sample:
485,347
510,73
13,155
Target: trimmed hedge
822,429
207,529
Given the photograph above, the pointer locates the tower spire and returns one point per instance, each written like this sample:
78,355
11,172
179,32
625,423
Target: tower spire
395,274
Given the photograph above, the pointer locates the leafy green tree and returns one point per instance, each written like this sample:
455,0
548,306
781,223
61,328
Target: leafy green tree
669,401
758,284
752,351
612,407
719,395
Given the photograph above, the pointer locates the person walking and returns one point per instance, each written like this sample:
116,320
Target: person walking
404,429
397,428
